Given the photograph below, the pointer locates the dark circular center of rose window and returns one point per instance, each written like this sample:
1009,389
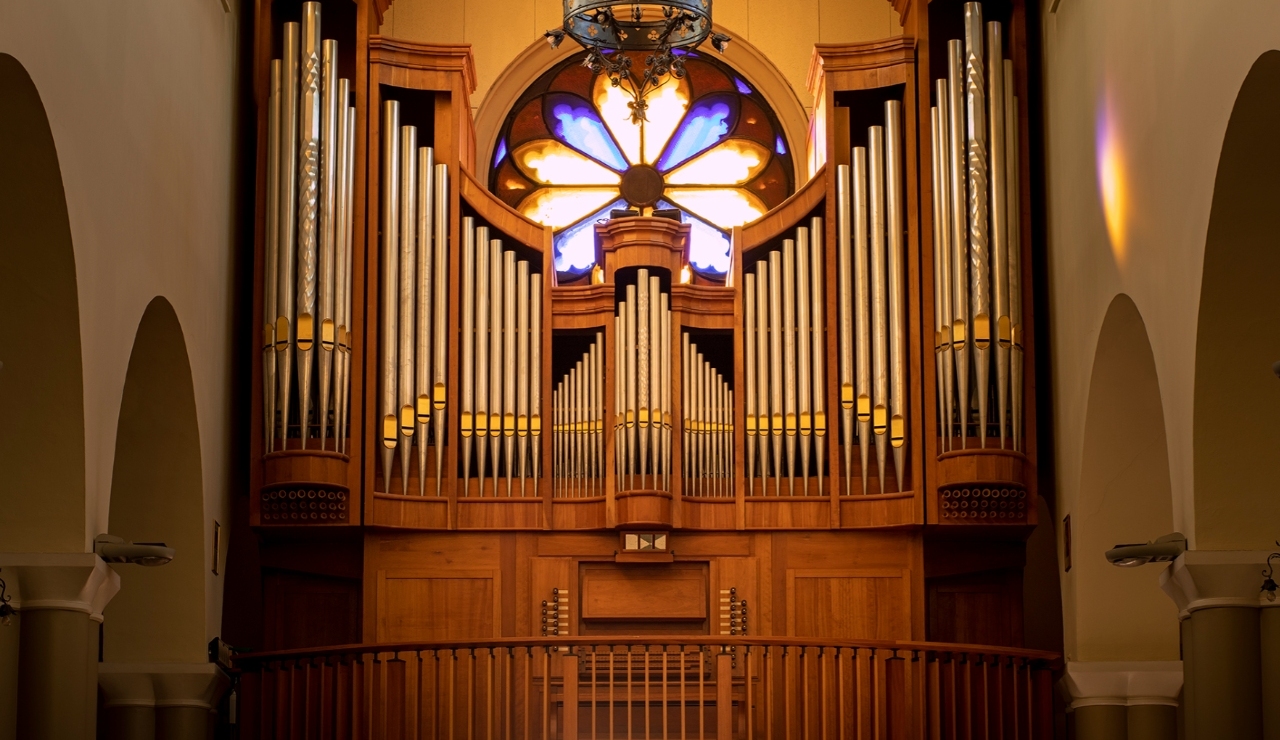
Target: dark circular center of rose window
642,186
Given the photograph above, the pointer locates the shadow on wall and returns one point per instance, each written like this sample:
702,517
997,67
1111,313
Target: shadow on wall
1125,496
157,496
41,386
1237,398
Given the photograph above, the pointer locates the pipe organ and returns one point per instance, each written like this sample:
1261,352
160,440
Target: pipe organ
447,427
308,241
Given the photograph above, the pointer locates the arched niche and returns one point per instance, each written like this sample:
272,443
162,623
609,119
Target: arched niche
157,496
1237,397
42,488
1125,496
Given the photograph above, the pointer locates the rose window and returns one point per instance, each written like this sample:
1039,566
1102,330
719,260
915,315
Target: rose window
571,152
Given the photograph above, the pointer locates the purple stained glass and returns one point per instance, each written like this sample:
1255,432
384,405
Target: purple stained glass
708,246
742,86
707,122
575,247
576,123
501,153
780,147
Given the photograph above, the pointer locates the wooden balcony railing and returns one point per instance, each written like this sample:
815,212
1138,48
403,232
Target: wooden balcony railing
648,687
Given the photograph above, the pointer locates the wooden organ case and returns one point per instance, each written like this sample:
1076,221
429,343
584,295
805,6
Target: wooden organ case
467,492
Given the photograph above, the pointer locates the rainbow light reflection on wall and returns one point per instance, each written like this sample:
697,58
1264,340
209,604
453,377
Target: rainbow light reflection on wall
1113,180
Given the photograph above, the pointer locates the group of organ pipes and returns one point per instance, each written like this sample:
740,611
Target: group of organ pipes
308,239
708,425
642,390
977,275
415,227
578,429
872,304
783,363
501,365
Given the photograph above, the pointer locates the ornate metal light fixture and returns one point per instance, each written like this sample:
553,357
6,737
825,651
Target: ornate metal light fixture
607,28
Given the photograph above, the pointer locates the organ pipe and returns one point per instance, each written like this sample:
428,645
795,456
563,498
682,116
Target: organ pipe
805,419
979,236
390,274
466,415
816,261
762,372
630,355
329,148
655,378
407,324
347,224
1015,258
425,284
497,292
879,307
522,369
775,365
287,216
483,291
309,109
788,329
509,361
749,363
535,377
665,363
944,253
642,360
897,288
440,188
999,223
578,470
844,303
862,310
272,241
959,233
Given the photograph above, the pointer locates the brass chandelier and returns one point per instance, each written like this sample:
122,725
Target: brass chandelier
666,28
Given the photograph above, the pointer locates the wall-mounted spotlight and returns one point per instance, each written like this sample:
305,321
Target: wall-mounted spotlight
114,549
1161,550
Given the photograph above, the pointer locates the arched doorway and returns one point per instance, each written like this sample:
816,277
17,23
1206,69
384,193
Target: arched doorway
1237,397
1125,496
42,490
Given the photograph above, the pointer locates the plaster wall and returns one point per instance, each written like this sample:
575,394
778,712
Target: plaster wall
784,30
1138,96
141,101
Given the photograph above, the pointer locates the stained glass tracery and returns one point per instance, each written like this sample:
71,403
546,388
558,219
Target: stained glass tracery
564,150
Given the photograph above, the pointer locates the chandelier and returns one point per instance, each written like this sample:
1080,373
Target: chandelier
666,29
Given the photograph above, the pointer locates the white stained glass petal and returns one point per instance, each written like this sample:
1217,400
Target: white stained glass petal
550,162
725,208
731,162
708,247
559,207
612,103
667,106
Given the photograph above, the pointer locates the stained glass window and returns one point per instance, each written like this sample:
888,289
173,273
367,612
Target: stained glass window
569,148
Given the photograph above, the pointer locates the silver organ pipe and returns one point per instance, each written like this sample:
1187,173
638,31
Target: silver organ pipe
497,292
522,370
407,322
803,370
817,261
761,329
879,306
655,380
483,291
775,366
424,278
309,109
844,309
330,146
642,388
749,367
705,417
389,344
466,414
577,431
271,239
619,397
287,220
897,289
788,330
440,187
665,360
509,361
307,275
862,311
686,407
642,361
977,154
629,351
535,378
977,241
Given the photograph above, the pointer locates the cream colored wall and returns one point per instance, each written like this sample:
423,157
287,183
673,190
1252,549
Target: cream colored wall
785,30
1145,89
141,98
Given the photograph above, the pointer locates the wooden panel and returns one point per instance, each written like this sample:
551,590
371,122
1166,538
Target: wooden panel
644,592
578,514
478,513
885,510
438,605
740,574
769,512
419,512
979,609
546,574
305,610
849,604
644,508
708,514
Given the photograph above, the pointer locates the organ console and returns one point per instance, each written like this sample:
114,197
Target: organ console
805,435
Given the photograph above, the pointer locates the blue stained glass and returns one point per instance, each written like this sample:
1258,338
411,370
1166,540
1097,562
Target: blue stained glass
706,123
575,247
578,125
708,246
742,86
501,154
780,147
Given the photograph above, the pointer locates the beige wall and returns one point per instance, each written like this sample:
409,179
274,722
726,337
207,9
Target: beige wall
1138,95
785,30
140,98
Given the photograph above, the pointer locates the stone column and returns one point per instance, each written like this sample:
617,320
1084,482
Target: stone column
1124,700
1218,599
159,701
59,597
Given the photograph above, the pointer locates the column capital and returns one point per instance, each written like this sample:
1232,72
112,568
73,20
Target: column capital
197,685
56,580
1125,684
1201,579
